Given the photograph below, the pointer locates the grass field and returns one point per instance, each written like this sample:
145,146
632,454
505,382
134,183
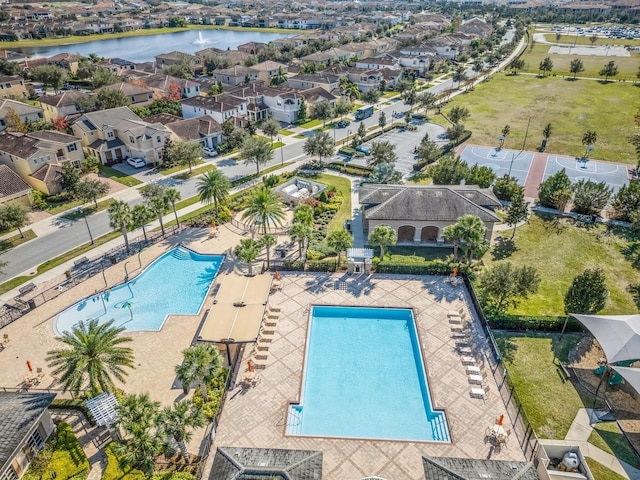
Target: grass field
627,66
118,176
571,107
17,239
600,472
609,438
343,185
537,244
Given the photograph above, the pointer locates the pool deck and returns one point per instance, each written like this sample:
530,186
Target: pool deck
256,416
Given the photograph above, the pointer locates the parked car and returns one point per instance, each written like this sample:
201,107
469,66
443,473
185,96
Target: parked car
343,124
137,162
209,152
363,149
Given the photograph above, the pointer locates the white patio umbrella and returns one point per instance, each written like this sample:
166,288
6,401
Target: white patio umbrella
618,335
631,375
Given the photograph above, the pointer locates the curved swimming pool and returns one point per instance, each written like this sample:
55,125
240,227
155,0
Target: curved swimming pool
176,283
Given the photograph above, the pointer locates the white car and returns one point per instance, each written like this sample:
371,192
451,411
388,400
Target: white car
209,152
137,162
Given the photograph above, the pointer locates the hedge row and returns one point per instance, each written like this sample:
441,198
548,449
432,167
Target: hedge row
429,268
541,323
359,170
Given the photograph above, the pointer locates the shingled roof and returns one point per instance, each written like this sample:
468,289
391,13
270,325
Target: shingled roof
234,463
19,412
10,183
426,203
443,468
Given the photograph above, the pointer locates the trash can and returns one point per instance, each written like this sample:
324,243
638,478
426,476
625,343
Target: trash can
113,259
32,304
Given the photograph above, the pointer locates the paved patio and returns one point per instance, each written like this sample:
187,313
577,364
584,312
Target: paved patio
256,416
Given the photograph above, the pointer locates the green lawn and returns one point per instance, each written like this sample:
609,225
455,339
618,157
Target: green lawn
177,168
550,402
414,255
90,209
16,240
343,185
560,250
311,124
627,66
609,438
285,132
118,176
570,107
600,472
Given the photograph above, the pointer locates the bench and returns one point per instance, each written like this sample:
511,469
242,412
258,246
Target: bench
29,287
80,261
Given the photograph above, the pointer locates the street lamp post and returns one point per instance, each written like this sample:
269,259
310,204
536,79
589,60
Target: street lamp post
281,154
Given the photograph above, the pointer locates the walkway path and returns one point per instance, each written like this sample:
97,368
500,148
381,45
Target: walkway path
535,175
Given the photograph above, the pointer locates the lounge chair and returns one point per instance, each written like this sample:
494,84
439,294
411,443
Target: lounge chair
475,378
456,313
600,370
616,379
468,361
480,392
473,369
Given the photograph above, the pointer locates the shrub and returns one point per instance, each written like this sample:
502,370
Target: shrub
313,255
322,266
38,199
113,470
215,391
172,476
436,267
204,220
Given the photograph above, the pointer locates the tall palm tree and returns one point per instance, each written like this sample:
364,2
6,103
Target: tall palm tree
264,209
589,138
95,356
247,251
141,216
301,233
172,195
267,241
303,214
185,376
473,234
204,361
214,187
453,234
279,77
383,235
339,240
120,218
158,205
176,421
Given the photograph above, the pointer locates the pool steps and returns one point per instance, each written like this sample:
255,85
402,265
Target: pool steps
294,420
181,254
439,429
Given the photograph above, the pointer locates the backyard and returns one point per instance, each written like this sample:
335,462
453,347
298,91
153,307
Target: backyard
571,107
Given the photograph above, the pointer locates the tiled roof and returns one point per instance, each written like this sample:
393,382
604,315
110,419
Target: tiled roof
195,128
232,463
53,136
48,173
18,144
219,103
19,412
444,468
19,107
11,183
63,99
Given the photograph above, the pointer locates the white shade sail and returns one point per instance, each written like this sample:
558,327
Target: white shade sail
618,335
631,375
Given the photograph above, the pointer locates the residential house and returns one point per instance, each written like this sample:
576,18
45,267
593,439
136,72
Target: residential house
419,214
316,95
235,75
251,48
68,61
367,80
117,66
441,468
13,190
12,86
161,83
27,113
304,81
32,156
476,27
378,63
204,129
117,133
25,427
139,96
281,103
268,69
175,58
219,107
62,105
327,57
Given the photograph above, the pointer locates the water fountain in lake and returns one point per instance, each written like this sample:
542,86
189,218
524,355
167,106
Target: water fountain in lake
200,40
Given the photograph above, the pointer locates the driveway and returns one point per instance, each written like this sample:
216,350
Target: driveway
145,174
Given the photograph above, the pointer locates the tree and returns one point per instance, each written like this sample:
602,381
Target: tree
593,39
323,111
267,241
383,236
13,122
172,195
362,132
546,132
94,356
449,170
546,66
140,217
609,70
352,92
428,151
302,110
271,127
301,233
111,98
385,174
203,362
459,75
90,189
382,152
480,175
101,77
382,121
468,232
176,421
515,65
506,130
279,77
256,150
264,209
576,66
427,100
372,96
503,285
183,69
458,114
339,240
410,97
517,211
342,107
120,218
156,201
555,191
50,76
321,144
627,201
247,252
506,187
13,215
184,152
303,214
214,187
589,198
589,138
587,293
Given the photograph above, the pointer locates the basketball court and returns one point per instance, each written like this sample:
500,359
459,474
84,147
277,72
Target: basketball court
501,161
613,174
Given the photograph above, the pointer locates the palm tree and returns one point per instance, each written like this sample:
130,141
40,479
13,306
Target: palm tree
247,252
267,241
473,233
339,240
158,205
176,421
214,187
383,235
382,152
546,131
453,234
203,361
120,218
301,233
264,209
303,214
352,92
185,375
172,195
279,77
95,356
140,216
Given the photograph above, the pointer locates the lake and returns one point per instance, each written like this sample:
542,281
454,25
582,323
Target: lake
144,49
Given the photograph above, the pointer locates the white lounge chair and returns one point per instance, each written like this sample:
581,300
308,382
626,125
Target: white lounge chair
473,369
456,313
468,361
482,392
474,378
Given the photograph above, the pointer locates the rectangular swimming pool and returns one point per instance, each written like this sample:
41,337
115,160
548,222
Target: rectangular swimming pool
364,378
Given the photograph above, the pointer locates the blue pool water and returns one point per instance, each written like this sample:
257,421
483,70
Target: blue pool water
364,378
175,283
